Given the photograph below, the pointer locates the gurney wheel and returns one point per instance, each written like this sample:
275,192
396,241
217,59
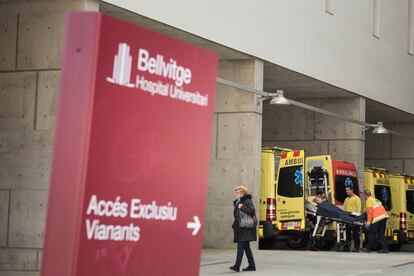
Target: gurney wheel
325,245
337,247
312,244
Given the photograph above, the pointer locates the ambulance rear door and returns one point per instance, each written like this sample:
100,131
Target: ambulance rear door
267,186
397,195
409,196
319,176
290,213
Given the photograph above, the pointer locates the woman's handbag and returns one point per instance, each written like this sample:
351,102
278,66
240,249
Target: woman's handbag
247,221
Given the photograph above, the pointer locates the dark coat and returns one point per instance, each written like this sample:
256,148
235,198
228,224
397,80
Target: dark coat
240,234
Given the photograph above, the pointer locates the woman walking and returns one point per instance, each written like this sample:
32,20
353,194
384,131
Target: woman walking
243,235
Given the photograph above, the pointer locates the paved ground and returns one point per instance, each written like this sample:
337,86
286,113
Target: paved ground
287,262
307,263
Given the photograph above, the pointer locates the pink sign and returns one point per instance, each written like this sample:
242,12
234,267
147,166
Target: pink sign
131,157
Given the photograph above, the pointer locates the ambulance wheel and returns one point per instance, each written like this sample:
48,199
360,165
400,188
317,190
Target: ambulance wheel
265,244
296,243
395,247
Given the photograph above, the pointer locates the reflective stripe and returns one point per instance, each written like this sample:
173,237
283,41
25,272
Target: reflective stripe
379,218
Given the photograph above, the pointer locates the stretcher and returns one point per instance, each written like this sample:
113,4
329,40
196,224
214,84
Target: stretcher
327,214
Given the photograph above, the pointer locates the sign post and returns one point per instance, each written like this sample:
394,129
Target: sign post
131,156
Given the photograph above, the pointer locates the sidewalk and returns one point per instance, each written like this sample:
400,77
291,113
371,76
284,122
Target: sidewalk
309,263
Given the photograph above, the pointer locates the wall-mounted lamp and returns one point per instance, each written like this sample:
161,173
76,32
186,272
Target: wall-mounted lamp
379,129
279,99
276,98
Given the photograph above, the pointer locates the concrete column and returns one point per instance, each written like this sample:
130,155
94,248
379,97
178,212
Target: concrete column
346,141
31,43
297,128
391,152
235,155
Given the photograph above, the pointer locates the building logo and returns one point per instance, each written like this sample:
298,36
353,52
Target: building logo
168,77
121,72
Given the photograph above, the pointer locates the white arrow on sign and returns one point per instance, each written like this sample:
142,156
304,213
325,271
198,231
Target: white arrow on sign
196,225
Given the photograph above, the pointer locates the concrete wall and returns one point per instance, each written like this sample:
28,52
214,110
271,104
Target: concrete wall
30,50
296,128
235,156
31,38
393,153
337,47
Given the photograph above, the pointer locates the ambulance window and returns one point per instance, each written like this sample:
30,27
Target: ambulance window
290,183
383,194
410,201
341,182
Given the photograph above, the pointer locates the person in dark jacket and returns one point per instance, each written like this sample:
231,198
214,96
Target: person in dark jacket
243,236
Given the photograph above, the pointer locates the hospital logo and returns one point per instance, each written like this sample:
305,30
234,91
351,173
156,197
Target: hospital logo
121,71
154,74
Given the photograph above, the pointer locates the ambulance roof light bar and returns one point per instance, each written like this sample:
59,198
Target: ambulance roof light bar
266,95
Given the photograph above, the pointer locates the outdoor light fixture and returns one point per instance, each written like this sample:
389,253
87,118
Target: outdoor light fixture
276,98
380,129
279,99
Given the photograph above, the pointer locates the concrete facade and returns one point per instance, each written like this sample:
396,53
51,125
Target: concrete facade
333,41
235,156
296,128
391,152
30,50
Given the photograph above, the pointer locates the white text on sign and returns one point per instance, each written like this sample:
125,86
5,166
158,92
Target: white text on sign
134,209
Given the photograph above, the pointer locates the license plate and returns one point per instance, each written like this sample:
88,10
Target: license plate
291,224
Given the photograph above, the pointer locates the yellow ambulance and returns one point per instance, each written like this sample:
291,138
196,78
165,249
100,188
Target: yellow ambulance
286,166
401,220
377,181
287,181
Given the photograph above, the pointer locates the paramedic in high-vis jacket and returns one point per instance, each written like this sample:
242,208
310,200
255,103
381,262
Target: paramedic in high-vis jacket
352,204
377,220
